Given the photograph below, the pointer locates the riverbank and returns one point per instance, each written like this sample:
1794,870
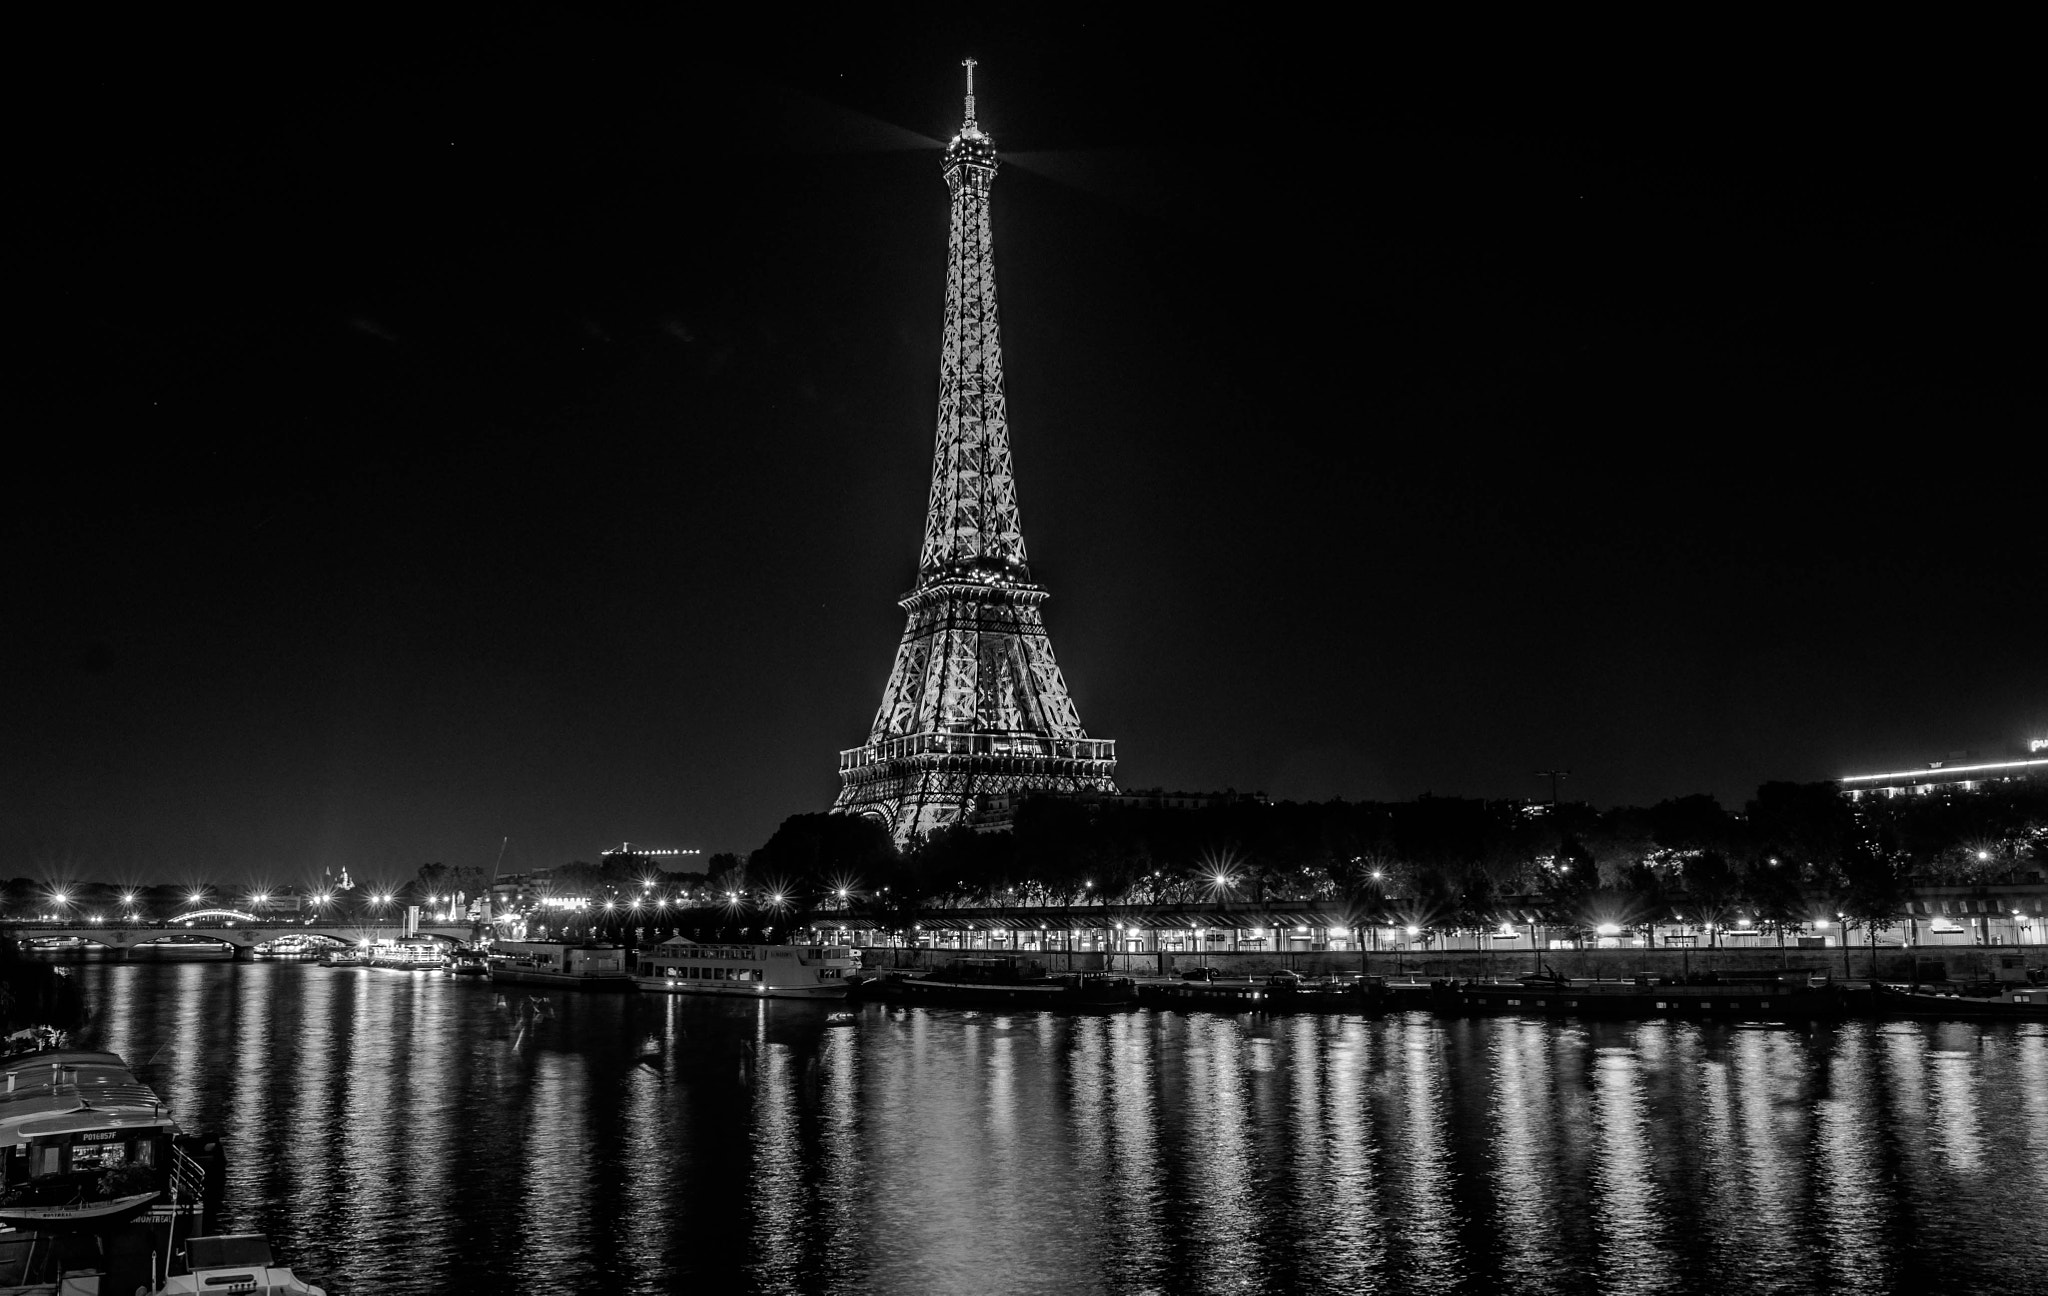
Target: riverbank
1924,964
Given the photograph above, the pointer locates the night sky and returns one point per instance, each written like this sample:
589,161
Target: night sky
521,426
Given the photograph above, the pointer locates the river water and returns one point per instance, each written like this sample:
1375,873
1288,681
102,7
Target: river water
407,1133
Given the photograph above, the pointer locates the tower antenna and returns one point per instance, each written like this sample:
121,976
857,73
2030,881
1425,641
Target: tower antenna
968,63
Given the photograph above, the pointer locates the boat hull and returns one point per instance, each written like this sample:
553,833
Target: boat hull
1247,996
739,990
1905,1003
562,980
1691,1002
1028,996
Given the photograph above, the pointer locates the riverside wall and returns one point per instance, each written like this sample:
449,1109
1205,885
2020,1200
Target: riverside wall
1925,963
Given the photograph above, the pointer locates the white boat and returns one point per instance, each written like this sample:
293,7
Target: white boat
236,1262
409,955
559,964
680,966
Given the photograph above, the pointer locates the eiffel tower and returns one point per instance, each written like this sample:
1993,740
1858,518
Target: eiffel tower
975,705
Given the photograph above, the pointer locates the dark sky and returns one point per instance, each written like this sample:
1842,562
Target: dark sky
520,425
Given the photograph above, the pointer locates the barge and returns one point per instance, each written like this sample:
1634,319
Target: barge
1011,981
1768,995
560,965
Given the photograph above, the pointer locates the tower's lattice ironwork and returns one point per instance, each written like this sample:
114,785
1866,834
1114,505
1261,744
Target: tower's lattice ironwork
975,705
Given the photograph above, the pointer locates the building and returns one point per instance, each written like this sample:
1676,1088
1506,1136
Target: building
975,706
667,859
1960,771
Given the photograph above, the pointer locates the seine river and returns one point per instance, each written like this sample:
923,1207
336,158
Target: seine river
399,1133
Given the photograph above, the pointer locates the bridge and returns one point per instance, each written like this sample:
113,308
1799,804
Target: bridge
242,931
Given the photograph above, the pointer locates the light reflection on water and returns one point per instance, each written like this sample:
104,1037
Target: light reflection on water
402,1134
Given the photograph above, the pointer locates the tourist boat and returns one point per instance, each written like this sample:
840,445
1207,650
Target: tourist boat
1010,980
469,962
408,955
560,964
91,1157
290,947
680,966
348,956
236,1262
1767,995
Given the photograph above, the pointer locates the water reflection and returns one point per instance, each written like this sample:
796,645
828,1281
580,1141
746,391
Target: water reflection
399,1133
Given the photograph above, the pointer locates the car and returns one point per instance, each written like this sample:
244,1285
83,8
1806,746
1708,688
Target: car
1199,974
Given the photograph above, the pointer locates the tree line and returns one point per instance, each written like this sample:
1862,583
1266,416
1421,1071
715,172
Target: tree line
1794,853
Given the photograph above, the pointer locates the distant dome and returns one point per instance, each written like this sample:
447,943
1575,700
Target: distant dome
971,147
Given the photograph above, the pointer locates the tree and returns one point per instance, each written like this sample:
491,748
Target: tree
1712,889
811,855
1805,824
37,994
1777,891
1567,882
1873,883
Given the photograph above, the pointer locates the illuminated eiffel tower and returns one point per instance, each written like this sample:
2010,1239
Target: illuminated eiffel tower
976,705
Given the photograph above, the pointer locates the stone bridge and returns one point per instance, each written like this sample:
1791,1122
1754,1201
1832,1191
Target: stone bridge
244,936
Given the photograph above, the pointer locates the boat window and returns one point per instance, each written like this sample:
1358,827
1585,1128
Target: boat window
45,1161
98,1156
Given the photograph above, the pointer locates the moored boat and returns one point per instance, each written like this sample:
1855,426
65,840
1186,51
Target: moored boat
561,964
409,955
1766,995
469,962
1269,994
291,947
680,966
1012,981
90,1156
2025,1003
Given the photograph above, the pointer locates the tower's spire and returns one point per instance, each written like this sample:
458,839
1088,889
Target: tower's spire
968,63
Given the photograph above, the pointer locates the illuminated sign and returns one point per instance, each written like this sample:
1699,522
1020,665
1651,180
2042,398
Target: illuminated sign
2037,744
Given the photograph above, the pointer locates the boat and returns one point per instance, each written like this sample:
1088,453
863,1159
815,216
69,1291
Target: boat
345,957
680,966
410,955
236,1262
98,1185
1011,980
561,964
1269,994
1764,995
291,947
469,962
2023,1003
